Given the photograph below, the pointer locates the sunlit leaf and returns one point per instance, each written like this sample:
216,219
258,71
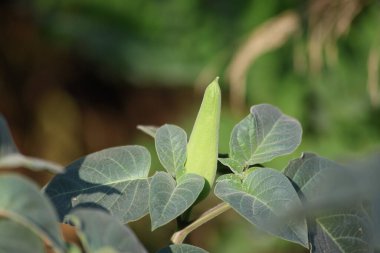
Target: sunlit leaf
21,201
336,229
115,179
262,198
169,199
181,248
264,134
15,237
98,230
171,142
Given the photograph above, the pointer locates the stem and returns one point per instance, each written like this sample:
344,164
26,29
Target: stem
179,237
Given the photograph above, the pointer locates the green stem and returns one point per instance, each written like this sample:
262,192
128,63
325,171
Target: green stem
179,237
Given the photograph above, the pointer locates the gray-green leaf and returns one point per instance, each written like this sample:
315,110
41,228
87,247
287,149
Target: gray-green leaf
334,230
149,130
168,200
230,177
264,134
11,158
98,230
182,248
263,198
171,142
115,179
21,201
15,237
235,166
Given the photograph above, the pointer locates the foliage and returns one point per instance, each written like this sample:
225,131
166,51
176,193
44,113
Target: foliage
101,192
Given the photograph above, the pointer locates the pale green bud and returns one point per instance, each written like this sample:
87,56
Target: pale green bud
202,148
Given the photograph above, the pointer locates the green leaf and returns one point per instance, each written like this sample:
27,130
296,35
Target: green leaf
98,230
149,130
182,248
15,237
171,142
168,200
115,179
235,166
229,177
262,198
264,134
337,230
11,158
21,201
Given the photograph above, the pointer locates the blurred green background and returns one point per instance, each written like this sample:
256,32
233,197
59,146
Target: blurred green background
79,76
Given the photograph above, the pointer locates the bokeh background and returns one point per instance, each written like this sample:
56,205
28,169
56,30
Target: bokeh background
77,76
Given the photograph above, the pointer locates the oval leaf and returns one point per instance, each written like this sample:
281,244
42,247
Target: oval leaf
21,201
171,142
336,230
98,230
264,134
114,179
262,198
15,237
168,200
182,248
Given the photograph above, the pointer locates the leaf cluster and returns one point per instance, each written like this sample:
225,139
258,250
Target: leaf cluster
314,202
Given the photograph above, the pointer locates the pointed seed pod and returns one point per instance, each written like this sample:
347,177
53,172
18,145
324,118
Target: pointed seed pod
202,148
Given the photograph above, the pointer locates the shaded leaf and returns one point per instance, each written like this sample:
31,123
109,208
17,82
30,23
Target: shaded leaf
181,248
98,230
264,134
7,145
338,229
21,201
345,230
11,158
115,179
149,130
19,160
168,200
15,237
262,198
171,142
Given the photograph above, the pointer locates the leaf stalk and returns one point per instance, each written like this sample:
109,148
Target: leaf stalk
179,236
